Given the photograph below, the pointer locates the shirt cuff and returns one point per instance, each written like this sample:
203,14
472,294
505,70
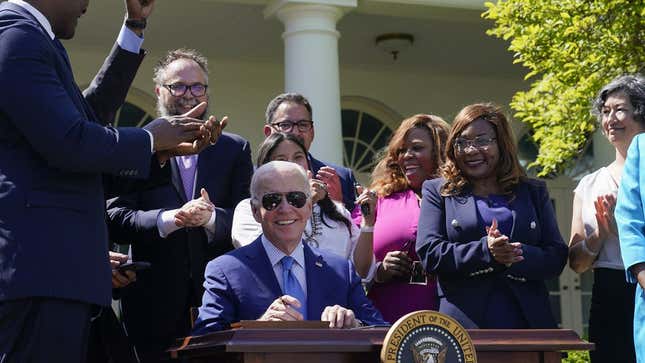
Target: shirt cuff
166,223
210,226
152,141
129,40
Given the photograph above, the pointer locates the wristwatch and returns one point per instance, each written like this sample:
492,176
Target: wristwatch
136,23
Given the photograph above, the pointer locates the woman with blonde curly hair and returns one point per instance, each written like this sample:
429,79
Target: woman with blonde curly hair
487,231
413,155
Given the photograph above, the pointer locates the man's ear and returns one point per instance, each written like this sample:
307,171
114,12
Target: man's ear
255,209
157,90
267,130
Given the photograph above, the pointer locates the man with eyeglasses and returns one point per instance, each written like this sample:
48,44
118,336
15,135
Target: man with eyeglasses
278,277
292,113
178,227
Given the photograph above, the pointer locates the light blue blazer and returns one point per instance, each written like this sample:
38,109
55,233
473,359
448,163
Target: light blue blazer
630,218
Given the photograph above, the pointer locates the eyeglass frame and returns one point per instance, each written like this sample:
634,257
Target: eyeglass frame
170,87
293,124
472,143
286,196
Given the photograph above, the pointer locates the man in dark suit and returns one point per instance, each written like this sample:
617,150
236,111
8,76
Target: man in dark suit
292,113
178,227
54,148
278,277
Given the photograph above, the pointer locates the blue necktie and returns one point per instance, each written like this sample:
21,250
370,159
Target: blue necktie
290,285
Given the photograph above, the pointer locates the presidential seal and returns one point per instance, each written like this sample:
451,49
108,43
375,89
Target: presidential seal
427,337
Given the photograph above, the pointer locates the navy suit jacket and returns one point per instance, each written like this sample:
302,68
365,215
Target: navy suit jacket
178,261
452,243
53,151
347,180
241,285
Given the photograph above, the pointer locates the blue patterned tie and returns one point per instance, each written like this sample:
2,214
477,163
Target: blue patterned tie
290,285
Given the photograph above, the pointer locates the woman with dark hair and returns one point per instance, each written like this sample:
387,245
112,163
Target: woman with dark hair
487,231
413,155
329,228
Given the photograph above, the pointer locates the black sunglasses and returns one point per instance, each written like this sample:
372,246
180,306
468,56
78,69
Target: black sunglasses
271,201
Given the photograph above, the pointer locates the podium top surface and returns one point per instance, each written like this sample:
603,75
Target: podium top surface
365,340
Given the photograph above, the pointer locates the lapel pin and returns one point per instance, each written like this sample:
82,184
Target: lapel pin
533,224
318,263
454,223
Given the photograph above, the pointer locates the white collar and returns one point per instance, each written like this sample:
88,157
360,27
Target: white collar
275,255
37,14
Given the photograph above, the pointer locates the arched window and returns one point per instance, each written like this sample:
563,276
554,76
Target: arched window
137,110
367,128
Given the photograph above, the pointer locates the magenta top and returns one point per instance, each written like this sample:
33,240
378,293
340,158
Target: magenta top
397,218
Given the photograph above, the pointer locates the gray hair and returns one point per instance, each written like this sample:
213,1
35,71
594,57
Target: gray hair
634,87
286,97
260,175
173,55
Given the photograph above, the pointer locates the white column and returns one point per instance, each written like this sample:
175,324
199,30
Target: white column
311,65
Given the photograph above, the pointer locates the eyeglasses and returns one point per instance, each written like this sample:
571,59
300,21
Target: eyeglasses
479,143
271,201
287,125
179,89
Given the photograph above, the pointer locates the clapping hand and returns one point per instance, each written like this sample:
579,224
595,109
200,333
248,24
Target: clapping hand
196,212
500,248
328,175
605,205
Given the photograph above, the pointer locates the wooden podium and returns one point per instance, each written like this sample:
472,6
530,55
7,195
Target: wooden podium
261,345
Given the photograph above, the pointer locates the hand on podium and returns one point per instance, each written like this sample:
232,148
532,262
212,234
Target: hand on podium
340,317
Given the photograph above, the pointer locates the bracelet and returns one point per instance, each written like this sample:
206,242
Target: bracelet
367,229
587,249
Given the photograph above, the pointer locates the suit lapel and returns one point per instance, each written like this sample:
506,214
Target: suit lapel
258,259
464,212
175,179
315,267
314,164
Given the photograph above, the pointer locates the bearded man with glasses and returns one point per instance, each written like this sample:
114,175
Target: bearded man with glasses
277,277
292,113
179,226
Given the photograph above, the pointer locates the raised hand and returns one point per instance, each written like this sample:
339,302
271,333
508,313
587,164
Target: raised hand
605,206
173,132
139,9
328,175
368,198
318,188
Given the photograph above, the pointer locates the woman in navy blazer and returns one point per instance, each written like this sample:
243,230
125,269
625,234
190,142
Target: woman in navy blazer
487,231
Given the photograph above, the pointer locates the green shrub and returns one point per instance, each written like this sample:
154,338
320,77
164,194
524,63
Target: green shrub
571,49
